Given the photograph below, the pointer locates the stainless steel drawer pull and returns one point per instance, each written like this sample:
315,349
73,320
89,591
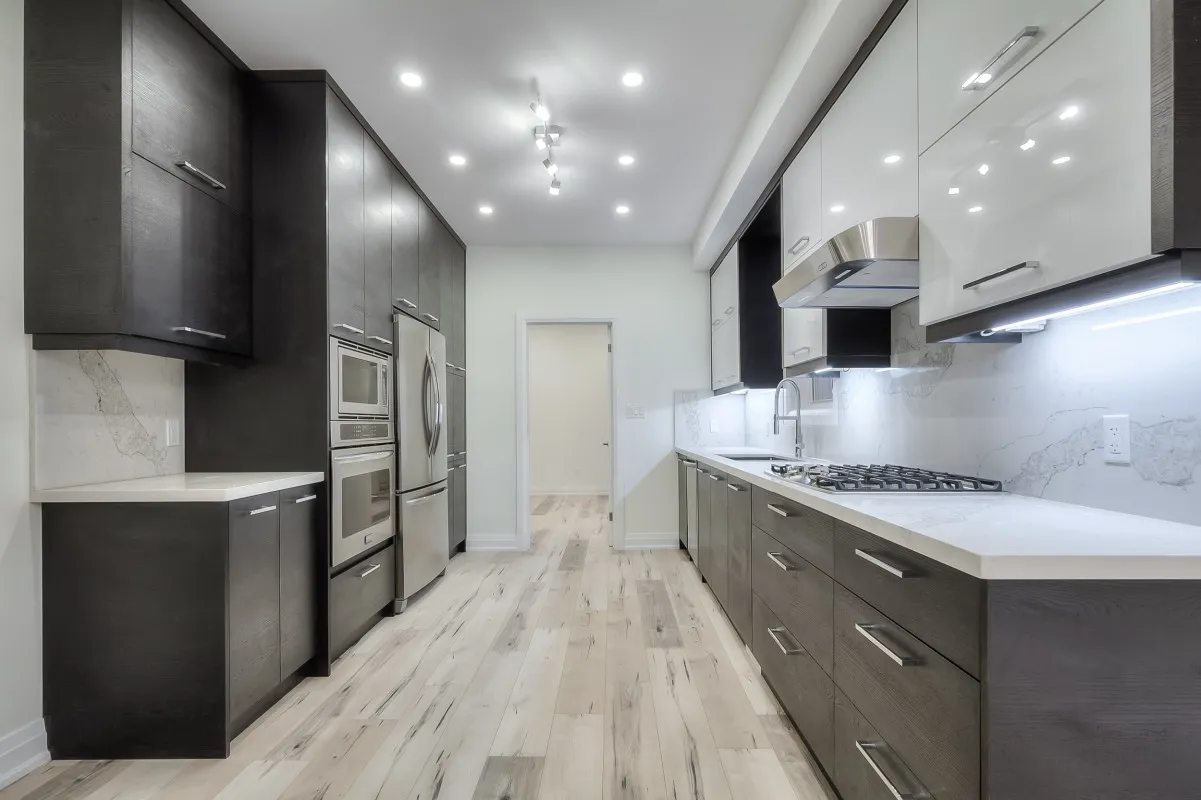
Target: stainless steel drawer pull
198,332
262,510
369,570
985,76
380,339
688,463
450,365
776,558
307,498
715,478
404,301
864,749
796,248
350,328
188,166
735,488
895,570
430,317
800,350
462,453
782,512
901,661
774,633
1001,274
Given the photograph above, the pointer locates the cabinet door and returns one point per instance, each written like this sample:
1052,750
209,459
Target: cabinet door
254,571
458,304
344,216
801,202
406,260
717,565
958,38
704,519
460,443
725,354
738,527
189,277
723,290
377,245
869,138
188,111
1085,99
804,335
458,507
432,254
301,517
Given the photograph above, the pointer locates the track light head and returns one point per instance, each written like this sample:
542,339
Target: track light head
551,166
555,185
540,111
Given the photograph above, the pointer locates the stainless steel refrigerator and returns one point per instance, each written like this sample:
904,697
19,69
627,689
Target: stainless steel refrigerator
423,499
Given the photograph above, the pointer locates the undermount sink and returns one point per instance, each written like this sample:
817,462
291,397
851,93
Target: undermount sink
743,457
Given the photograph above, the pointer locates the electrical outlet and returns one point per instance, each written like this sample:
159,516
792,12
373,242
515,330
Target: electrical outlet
172,432
1116,429
714,427
635,412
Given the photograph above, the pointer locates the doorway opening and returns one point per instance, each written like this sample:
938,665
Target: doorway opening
568,442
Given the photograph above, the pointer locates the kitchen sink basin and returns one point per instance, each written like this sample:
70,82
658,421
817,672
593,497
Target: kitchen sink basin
743,457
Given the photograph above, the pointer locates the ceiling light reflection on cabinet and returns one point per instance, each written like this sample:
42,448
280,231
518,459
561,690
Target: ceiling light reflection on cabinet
837,209
982,169
892,159
953,190
1026,145
1061,160
975,209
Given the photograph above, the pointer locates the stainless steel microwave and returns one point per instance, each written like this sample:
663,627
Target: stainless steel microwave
359,382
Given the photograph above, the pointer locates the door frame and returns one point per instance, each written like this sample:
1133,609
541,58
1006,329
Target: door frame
524,512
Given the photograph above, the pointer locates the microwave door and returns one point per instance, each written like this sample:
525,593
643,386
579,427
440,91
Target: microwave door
413,413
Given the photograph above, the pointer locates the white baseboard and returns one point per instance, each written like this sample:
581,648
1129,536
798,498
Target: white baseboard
652,541
493,542
22,751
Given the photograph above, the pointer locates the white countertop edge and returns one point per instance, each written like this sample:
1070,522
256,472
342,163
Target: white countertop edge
1016,566
188,487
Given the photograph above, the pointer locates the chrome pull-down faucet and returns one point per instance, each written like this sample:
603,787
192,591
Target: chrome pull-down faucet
777,418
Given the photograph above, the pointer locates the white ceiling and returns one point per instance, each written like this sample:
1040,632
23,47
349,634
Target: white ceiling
705,62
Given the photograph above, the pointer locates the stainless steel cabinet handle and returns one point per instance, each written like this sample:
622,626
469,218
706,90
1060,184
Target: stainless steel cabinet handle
974,82
796,248
406,302
450,365
188,166
366,457
897,794
716,478
350,328
782,512
429,496
901,661
1001,274
381,339
430,317
896,570
781,563
774,633
307,498
688,462
462,453
369,570
262,510
735,488
198,332
800,350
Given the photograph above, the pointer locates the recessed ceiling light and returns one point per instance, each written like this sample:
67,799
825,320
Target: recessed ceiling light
1069,112
982,169
1026,145
892,159
953,190
486,211
622,210
1061,160
837,209
411,79
555,186
632,79
457,160
626,160
975,209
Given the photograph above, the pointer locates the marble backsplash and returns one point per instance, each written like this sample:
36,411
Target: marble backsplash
103,415
1027,414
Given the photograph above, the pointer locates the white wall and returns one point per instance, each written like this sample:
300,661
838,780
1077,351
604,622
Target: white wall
22,740
569,409
659,306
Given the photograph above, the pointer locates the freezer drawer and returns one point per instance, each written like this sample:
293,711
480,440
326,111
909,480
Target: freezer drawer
424,536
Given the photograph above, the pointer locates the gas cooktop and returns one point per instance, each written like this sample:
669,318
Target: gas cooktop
845,478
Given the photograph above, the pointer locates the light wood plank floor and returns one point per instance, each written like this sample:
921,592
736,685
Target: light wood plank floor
571,671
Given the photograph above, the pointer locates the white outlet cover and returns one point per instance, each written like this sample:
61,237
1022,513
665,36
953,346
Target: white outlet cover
635,412
172,432
1115,431
714,427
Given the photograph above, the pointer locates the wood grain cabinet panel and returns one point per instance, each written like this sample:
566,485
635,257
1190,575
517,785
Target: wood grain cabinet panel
406,258
358,596
254,571
433,254
808,533
301,516
738,579
717,569
347,277
704,519
377,246
865,767
800,594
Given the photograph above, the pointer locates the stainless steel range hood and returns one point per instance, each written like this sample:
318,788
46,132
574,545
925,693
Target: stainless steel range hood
872,265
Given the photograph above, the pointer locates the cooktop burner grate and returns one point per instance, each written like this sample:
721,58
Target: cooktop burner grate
881,478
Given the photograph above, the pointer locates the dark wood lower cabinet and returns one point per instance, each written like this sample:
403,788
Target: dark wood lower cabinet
359,596
254,643
301,528
457,478
738,578
704,519
717,569
865,767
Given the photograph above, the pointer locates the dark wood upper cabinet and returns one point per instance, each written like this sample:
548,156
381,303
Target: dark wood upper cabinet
406,258
188,111
136,183
432,248
346,224
377,245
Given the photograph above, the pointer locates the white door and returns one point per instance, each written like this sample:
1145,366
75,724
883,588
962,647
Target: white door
801,203
725,354
804,335
723,290
1049,180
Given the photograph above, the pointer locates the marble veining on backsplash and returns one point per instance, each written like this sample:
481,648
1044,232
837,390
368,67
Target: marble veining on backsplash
102,415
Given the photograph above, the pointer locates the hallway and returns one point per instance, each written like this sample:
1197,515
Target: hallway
566,672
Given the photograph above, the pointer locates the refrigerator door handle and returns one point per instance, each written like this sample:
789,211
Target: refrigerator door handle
431,405
439,408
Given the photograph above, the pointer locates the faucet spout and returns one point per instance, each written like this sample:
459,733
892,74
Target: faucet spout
777,417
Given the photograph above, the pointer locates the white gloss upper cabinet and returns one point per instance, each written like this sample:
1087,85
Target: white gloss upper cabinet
869,138
1052,172
957,39
726,366
804,332
723,290
801,203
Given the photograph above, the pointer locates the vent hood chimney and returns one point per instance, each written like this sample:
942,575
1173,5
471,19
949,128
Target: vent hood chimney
871,265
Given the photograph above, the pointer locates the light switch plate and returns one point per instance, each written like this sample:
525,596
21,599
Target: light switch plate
1116,431
714,426
172,432
635,412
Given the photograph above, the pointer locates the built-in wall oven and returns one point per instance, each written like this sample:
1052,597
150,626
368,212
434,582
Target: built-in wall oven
364,500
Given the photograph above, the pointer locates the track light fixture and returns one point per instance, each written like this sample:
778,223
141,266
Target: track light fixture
547,136
551,166
555,186
540,111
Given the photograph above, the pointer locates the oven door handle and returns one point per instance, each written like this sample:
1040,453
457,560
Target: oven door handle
364,457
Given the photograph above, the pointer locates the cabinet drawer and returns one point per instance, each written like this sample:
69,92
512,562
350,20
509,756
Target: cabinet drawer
357,596
939,605
798,592
805,690
188,105
865,767
926,708
738,579
808,533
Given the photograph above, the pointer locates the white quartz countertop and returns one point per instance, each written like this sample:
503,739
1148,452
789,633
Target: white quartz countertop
997,536
188,487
